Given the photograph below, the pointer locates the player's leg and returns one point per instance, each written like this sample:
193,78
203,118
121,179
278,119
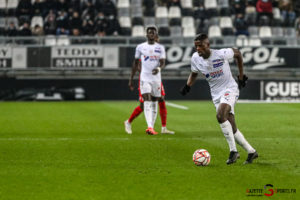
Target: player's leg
241,140
222,117
163,116
136,112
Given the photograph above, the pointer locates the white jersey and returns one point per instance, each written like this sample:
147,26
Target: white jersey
216,70
150,54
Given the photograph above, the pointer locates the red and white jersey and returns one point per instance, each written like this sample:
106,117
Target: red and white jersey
216,70
150,54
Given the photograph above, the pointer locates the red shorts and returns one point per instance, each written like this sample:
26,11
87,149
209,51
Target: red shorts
141,97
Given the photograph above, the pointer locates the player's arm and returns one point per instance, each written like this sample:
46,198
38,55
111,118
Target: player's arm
160,67
242,78
135,68
191,80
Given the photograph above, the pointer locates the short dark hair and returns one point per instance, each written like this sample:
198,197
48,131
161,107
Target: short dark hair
200,37
151,27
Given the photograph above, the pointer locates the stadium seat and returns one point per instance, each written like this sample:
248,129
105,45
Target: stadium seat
214,21
12,19
125,22
138,31
124,12
148,4
250,15
136,11
277,31
189,31
187,22
265,32
223,3
290,32
210,8
162,22
37,20
253,30
277,21
149,21
214,31
63,40
2,7
174,12
175,22
2,23
137,3
123,4
176,31
11,6
187,12
186,3
137,21
164,31
149,12
226,22
50,40
241,41
254,42
161,12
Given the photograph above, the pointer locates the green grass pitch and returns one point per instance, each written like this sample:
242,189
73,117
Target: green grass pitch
70,151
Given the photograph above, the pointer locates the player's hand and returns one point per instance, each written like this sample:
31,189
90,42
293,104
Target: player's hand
156,70
242,81
185,89
130,85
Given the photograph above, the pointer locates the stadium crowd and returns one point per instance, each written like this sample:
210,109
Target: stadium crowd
120,17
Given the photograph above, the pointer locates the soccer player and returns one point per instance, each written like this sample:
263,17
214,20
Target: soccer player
214,65
152,56
139,109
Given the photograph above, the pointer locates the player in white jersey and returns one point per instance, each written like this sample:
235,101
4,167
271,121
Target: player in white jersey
214,65
152,56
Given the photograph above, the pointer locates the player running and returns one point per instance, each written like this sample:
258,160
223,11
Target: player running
139,109
152,56
214,65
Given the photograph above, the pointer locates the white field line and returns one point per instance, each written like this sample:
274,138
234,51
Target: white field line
268,101
177,106
129,138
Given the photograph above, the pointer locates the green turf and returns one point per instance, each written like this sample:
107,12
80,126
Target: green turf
79,150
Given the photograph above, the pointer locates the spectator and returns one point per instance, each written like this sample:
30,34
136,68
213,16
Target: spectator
62,31
287,12
113,27
173,3
75,21
12,30
25,30
297,26
101,23
239,6
62,20
62,5
88,25
50,5
264,8
37,30
38,8
107,7
50,23
241,25
89,9
24,9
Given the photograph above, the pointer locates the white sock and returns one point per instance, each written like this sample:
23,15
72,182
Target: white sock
228,133
240,139
148,113
154,112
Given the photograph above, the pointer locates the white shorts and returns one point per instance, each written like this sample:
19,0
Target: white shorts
154,88
230,97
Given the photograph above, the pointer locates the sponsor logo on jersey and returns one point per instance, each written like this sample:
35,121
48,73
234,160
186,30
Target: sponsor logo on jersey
151,58
215,74
157,50
217,63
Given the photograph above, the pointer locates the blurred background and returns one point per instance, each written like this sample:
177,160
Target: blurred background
84,49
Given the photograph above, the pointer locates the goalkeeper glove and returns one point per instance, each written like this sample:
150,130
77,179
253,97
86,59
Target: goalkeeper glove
242,83
185,89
